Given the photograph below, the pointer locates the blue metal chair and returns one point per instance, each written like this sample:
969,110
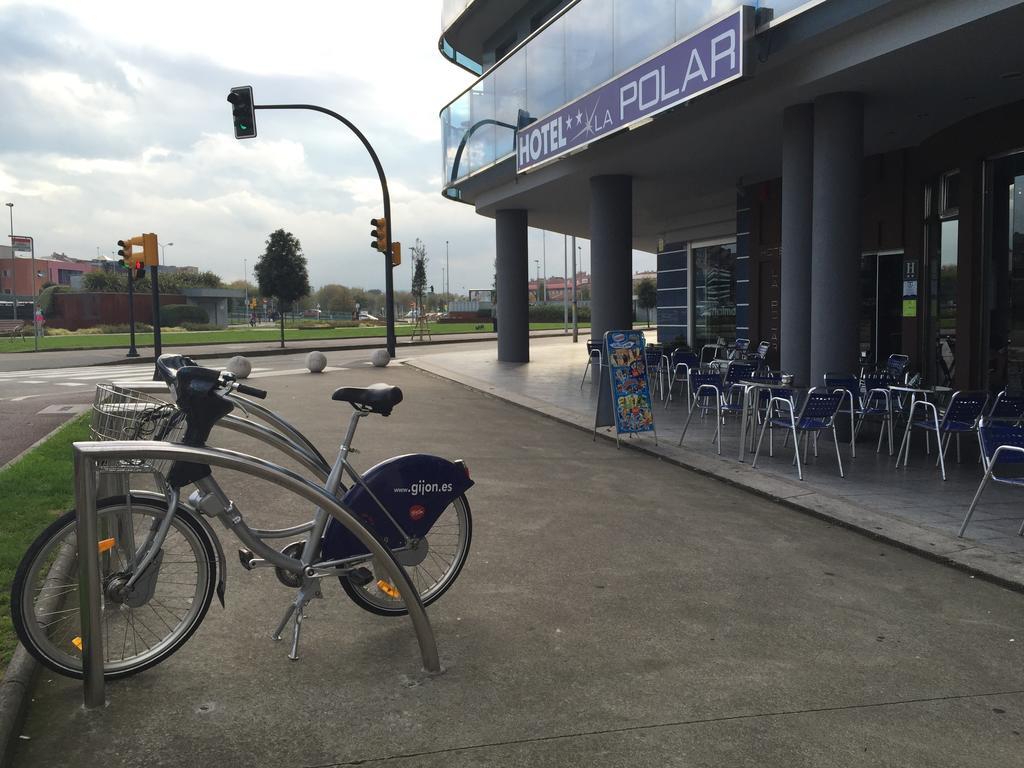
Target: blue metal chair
739,349
707,395
593,358
657,368
850,385
682,361
962,415
1007,408
760,356
896,367
734,374
876,403
818,413
1000,445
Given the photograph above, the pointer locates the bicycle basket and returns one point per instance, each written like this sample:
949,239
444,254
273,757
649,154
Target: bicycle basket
120,413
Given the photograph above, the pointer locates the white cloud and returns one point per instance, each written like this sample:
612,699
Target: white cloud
116,124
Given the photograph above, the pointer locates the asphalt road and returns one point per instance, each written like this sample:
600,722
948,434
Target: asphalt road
35,401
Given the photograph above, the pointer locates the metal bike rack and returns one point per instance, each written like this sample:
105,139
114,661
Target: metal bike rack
87,454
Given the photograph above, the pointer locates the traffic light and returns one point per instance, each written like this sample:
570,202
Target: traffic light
139,269
396,254
125,251
243,112
150,250
380,233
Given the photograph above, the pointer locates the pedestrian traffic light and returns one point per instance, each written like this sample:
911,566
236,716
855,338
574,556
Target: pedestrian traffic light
243,112
396,254
380,233
139,269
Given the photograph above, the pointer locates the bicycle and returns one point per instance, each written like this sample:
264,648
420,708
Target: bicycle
162,562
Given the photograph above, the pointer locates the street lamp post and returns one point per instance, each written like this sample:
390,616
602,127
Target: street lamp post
163,253
14,284
544,255
537,262
575,322
565,283
447,269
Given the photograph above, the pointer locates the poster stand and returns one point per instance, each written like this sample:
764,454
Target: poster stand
624,393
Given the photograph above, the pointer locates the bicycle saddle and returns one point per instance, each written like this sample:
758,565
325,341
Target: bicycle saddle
379,398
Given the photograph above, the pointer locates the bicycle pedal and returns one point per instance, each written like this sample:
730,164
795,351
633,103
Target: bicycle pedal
245,557
360,576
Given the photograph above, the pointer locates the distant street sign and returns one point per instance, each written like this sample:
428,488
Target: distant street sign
22,243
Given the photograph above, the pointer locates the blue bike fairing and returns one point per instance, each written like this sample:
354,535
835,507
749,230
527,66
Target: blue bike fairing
415,489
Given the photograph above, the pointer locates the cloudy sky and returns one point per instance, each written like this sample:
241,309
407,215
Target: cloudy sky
114,123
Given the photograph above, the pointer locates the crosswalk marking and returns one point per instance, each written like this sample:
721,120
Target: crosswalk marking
77,377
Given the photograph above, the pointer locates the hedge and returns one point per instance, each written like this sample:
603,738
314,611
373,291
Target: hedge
178,314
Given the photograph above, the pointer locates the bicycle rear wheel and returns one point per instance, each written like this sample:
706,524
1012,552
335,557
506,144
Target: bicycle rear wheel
140,629
432,569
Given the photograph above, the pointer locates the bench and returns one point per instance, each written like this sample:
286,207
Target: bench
12,327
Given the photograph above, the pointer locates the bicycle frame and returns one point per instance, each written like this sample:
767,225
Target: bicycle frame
211,500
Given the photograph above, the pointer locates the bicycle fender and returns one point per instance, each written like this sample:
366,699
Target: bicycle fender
219,566
415,488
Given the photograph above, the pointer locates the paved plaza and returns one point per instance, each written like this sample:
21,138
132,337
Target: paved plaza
910,506
616,610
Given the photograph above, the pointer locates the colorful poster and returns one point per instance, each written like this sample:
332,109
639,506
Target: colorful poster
630,388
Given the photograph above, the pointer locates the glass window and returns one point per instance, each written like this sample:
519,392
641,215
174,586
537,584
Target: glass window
545,70
480,145
950,194
714,288
588,39
509,98
641,28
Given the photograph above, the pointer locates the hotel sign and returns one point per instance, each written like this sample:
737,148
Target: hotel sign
707,59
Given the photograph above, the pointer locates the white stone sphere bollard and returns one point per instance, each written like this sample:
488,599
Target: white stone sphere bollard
240,366
380,358
316,362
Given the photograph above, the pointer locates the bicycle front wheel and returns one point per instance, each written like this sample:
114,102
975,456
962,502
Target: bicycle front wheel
141,627
432,567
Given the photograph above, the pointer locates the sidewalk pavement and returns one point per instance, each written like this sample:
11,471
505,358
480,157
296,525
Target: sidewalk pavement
910,507
615,610
22,361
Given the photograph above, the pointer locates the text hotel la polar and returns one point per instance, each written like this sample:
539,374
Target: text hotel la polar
697,64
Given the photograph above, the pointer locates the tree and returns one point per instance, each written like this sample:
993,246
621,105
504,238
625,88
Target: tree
419,275
335,298
647,296
281,271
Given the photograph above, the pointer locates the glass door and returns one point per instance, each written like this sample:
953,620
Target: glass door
881,318
942,236
1005,275
714,293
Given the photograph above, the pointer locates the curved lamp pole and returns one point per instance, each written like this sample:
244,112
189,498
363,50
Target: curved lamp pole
163,253
14,287
389,283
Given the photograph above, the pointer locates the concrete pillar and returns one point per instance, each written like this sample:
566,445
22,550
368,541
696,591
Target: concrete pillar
512,281
836,233
611,254
797,177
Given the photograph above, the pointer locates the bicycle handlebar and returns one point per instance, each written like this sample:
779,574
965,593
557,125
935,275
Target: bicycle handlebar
251,391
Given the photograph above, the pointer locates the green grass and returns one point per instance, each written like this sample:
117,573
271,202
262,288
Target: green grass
238,335
33,491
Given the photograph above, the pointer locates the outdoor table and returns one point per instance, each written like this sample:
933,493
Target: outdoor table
755,386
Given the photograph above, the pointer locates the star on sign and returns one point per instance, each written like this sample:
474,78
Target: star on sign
579,117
